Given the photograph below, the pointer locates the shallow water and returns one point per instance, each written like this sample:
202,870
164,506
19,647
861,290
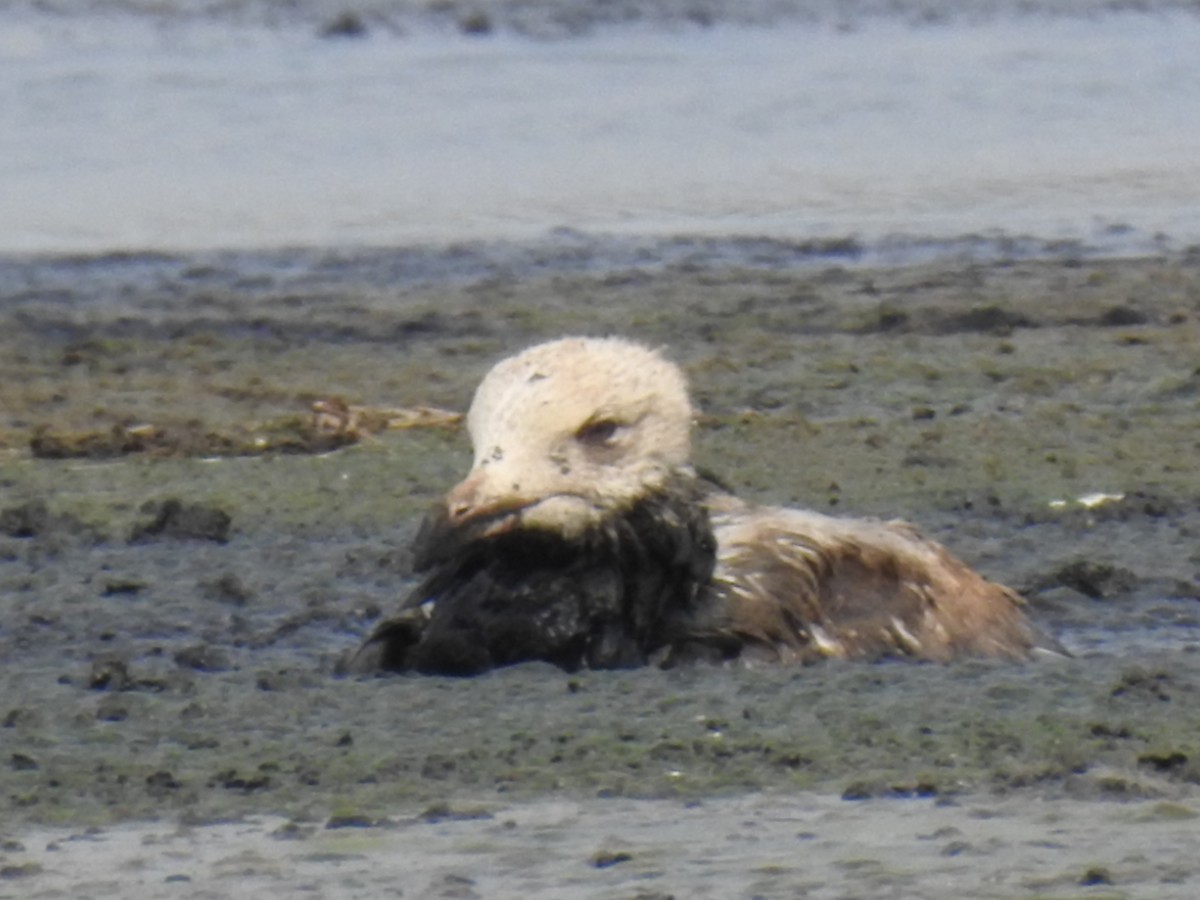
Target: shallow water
127,133
753,847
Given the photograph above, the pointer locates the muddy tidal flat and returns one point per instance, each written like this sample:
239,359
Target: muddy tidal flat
172,610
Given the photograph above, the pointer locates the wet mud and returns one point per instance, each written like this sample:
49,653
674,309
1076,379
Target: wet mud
170,624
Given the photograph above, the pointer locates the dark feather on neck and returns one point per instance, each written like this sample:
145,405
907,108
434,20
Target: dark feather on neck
617,596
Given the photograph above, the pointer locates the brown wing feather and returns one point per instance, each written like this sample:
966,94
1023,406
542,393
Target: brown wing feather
796,585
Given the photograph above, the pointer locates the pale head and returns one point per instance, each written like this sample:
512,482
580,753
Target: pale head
570,430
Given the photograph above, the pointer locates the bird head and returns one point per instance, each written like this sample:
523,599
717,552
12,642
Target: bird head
568,432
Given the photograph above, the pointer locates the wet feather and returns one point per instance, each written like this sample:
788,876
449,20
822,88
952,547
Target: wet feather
583,537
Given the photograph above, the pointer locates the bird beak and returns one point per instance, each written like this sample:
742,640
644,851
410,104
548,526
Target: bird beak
475,499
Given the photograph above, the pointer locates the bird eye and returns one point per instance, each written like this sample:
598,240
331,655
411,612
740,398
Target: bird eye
600,433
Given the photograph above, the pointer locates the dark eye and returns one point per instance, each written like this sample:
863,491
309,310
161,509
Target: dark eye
601,433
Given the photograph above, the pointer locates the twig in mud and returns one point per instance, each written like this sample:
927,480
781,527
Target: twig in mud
333,415
332,424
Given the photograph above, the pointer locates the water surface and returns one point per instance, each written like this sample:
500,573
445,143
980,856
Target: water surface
135,134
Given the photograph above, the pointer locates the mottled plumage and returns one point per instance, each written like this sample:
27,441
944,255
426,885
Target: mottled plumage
583,537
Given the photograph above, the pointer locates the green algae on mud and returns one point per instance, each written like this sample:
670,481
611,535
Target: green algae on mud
225,747
372,485
963,396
